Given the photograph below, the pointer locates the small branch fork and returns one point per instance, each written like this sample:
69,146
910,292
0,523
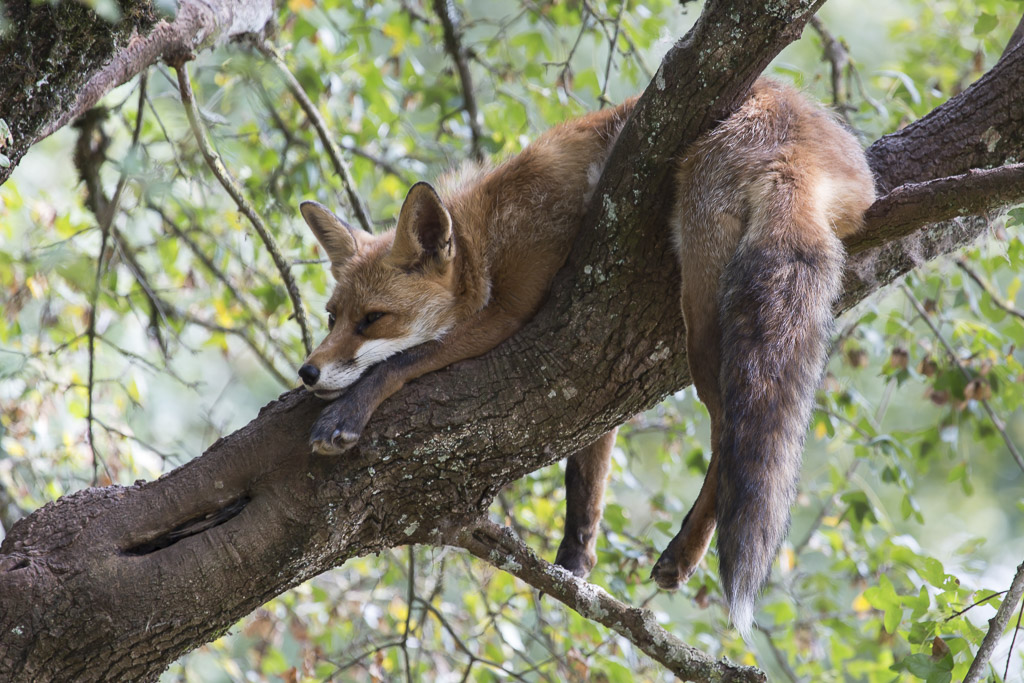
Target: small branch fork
500,547
231,186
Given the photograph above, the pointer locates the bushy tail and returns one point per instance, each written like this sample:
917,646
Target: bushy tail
776,317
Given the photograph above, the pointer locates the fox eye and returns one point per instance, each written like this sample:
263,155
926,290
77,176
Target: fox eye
330,321
371,318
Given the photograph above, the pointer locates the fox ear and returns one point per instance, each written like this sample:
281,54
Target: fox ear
339,239
424,233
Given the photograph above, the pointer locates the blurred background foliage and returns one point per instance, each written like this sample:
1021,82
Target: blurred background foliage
911,508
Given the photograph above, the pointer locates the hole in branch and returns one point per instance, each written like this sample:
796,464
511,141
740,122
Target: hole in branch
20,564
196,525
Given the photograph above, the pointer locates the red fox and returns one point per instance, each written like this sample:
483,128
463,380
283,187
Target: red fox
762,202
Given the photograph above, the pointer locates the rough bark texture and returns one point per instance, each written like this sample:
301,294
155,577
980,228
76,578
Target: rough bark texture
116,583
47,54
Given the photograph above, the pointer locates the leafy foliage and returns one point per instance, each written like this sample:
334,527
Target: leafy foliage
122,363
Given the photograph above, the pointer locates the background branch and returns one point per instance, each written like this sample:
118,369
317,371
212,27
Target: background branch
996,626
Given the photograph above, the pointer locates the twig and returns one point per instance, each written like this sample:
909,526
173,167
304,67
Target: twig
216,272
985,599
603,97
231,186
996,422
106,218
836,54
408,615
500,547
453,46
996,625
987,287
339,163
780,658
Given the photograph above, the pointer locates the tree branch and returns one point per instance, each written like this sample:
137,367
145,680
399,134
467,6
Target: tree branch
332,149
453,46
197,26
234,190
500,547
996,626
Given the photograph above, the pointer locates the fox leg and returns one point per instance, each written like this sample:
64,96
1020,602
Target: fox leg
586,473
341,423
684,552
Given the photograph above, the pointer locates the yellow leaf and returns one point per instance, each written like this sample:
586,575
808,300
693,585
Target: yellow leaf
223,317
861,605
14,448
299,5
820,431
787,559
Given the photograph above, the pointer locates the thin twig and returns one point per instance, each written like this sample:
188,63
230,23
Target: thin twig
453,46
985,599
987,287
996,625
603,97
996,422
236,294
231,186
411,595
337,160
106,224
836,54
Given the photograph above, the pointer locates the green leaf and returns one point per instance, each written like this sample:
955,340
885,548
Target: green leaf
985,24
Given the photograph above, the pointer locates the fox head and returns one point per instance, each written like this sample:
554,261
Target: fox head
394,290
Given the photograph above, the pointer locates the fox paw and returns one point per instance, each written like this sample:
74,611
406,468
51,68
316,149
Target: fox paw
575,559
337,443
334,436
668,574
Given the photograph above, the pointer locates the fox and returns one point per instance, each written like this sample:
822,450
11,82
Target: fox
762,203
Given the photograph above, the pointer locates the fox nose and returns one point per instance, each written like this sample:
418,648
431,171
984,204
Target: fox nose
309,374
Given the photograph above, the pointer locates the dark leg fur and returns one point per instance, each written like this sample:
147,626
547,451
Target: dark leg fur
586,474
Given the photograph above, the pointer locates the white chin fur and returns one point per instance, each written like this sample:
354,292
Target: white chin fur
327,395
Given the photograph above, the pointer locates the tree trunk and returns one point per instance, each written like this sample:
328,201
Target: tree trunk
116,583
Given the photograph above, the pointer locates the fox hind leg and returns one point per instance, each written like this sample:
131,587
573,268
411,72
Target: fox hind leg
586,473
685,551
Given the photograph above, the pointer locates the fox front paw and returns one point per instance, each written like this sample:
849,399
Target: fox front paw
333,434
335,444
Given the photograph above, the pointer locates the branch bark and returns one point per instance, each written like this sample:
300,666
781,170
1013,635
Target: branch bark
72,57
118,582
